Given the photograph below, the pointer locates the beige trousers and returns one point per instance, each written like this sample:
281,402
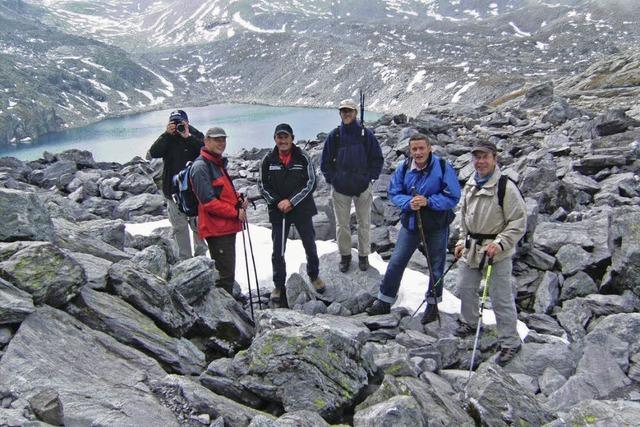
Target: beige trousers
342,210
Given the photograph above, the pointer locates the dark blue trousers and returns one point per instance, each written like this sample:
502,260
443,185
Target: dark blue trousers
407,243
308,237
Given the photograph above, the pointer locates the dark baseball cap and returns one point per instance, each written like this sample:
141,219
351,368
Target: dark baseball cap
283,127
486,146
178,116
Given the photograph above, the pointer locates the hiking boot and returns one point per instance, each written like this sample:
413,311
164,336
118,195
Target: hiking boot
505,355
345,261
464,330
277,294
363,263
379,307
430,314
318,285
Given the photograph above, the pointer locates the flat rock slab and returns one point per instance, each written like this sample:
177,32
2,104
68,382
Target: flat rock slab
99,380
15,304
24,217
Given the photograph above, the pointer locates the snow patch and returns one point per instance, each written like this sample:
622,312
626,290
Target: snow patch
417,79
249,26
463,89
519,32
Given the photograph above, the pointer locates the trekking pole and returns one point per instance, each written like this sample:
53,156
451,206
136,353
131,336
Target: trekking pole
284,221
437,283
362,110
246,263
485,282
431,290
255,271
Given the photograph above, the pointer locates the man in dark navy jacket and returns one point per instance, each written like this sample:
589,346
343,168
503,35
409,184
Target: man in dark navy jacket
428,184
287,181
180,143
351,161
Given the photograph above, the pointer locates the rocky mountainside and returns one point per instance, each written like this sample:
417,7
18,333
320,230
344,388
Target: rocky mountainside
406,54
98,326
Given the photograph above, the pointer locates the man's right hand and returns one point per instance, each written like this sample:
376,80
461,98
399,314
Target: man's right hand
285,206
242,215
171,128
457,252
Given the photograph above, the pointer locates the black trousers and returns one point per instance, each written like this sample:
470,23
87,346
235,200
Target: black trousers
223,252
308,237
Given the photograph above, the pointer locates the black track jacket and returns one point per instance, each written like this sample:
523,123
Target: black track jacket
295,182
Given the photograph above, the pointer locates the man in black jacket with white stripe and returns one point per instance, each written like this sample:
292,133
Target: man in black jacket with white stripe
287,182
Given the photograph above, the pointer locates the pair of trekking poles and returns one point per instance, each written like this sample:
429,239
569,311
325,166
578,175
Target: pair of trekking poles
245,226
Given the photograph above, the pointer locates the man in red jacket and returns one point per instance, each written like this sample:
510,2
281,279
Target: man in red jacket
221,211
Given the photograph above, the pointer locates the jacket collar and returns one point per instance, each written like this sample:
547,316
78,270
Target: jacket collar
295,152
489,184
215,158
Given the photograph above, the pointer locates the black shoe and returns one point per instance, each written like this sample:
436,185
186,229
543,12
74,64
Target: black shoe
430,314
345,262
363,263
379,307
506,354
464,330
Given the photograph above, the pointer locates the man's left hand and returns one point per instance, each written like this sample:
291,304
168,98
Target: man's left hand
493,250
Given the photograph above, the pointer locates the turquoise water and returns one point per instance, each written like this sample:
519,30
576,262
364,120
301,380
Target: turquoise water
121,139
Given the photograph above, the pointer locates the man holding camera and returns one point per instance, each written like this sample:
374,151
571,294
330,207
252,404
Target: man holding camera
179,144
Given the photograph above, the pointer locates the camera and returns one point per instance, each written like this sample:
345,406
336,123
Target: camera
180,127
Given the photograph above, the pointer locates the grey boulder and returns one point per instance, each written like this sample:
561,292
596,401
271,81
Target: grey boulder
24,217
15,304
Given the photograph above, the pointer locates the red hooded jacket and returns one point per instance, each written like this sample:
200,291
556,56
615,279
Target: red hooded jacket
219,202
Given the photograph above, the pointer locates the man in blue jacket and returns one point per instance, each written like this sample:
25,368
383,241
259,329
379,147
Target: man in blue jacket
437,191
351,160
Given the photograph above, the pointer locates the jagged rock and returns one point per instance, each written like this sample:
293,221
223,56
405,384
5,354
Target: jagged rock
414,339
603,305
385,321
324,227
314,307
109,231
527,382
193,277
611,122
559,112
392,359
597,377
547,293
58,174
137,183
533,359
218,379
222,320
623,326
59,206
539,95
154,260
50,275
538,259
15,304
152,296
398,410
82,158
107,188
437,408
100,207
159,237
582,183
328,374
337,309
111,315
601,413
115,374
544,324
345,287
86,182
182,394
291,419
24,217
593,163
578,285
496,399
573,258
550,380
76,239
574,317
47,407
152,204
617,348
625,267
95,268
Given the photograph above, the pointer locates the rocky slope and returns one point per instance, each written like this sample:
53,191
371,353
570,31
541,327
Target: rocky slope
101,327
405,54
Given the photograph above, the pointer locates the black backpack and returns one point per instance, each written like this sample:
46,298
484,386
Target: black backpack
502,188
183,193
